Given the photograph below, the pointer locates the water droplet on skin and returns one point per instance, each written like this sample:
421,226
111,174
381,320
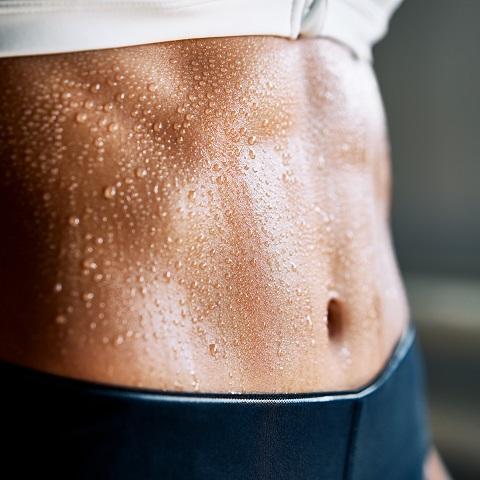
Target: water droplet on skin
152,87
57,287
74,221
191,195
81,117
89,104
89,263
119,340
212,348
109,192
157,126
61,319
113,127
141,172
95,88
252,140
93,325
88,296
167,277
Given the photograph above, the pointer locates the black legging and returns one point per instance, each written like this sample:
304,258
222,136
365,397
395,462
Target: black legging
56,427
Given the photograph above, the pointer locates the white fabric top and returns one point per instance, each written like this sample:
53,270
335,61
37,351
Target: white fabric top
32,27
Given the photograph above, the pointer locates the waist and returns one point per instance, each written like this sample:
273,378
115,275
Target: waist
332,435
202,215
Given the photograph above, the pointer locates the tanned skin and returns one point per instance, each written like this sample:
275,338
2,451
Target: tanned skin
203,215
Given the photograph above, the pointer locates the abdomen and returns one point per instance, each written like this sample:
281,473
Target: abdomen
200,215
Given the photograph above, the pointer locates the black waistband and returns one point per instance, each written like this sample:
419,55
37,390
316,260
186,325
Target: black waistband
74,429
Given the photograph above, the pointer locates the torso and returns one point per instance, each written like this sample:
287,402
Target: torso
203,215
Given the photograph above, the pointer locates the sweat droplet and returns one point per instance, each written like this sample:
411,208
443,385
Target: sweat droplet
252,140
95,88
109,192
141,172
57,287
74,221
212,348
167,276
61,319
81,117
89,263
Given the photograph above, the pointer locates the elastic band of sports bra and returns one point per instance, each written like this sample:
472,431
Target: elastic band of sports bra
68,428
36,27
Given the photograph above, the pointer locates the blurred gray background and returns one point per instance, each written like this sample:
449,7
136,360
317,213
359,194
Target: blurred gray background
429,73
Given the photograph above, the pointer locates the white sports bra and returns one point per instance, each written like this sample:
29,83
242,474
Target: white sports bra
32,27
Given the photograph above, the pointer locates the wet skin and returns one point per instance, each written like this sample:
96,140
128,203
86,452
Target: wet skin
203,215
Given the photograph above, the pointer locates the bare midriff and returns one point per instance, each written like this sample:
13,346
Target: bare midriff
203,215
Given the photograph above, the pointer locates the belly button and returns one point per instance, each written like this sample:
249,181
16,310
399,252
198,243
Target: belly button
335,319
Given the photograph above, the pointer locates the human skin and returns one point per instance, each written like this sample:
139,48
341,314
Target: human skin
204,215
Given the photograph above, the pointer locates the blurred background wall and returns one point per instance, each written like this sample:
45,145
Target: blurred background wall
429,73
